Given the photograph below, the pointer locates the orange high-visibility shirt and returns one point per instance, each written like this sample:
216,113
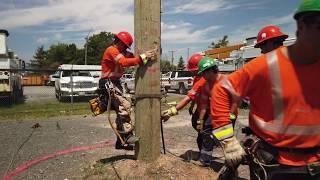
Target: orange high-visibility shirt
198,82
204,96
284,103
113,62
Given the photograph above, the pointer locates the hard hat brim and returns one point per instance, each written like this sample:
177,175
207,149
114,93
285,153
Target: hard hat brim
283,36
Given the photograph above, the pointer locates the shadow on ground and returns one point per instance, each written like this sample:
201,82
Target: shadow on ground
116,158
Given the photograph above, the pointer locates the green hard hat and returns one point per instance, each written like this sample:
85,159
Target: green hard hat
206,63
307,6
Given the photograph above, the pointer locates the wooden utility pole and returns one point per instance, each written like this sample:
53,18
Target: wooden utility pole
147,31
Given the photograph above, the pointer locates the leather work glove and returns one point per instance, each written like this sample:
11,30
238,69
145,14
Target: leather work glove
233,152
165,115
233,119
148,55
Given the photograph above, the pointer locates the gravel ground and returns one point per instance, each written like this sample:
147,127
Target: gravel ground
66,132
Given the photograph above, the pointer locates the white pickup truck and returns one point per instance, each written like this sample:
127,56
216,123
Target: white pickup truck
180,81
76,80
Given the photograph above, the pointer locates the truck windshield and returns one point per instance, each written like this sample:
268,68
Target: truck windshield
75,73
185,74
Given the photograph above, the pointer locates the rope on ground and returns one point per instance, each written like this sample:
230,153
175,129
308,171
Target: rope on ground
115,171
18,149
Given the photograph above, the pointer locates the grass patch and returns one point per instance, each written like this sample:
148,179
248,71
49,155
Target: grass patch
46,109
52,108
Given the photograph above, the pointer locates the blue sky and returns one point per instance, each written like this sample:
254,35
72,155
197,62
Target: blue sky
192,24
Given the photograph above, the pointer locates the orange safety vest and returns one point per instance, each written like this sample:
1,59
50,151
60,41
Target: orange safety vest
284,103
113,62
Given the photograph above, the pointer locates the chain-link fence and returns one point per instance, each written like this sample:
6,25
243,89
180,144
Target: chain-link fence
44,93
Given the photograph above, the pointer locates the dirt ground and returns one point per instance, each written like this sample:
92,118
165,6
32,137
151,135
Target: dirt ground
180,161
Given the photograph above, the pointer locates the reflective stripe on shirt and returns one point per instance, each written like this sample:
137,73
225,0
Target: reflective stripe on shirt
277,125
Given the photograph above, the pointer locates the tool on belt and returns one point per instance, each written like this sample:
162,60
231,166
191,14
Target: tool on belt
261,157
103,103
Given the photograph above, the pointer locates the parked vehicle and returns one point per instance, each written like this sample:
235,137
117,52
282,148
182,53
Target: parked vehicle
180,81
165,81
76,80
52,78
128,82
11,87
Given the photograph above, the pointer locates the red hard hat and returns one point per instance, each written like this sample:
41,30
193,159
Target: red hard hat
125,37
193,62
269,32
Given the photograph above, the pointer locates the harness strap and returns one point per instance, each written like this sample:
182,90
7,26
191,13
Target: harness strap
312,150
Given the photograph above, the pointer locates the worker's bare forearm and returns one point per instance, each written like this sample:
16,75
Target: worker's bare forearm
183,103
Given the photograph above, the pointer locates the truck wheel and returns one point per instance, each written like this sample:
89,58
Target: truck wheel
56,94
59,97
12,98
166,89
182,89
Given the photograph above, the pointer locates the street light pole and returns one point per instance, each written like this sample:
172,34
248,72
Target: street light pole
86,51
86,48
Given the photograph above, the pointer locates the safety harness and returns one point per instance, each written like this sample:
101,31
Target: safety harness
100,104
262,158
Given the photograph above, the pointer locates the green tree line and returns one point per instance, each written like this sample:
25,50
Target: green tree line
63,53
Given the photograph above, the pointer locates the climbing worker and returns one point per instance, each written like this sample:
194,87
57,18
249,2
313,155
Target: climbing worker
284,104
115,58
270,38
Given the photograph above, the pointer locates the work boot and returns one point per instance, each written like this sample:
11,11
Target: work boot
124,146
132,139
205,159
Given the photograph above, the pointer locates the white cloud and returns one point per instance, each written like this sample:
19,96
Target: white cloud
53,38
58,36
288,19
74,15
202,6
183,32
286,23
206,6
42,40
